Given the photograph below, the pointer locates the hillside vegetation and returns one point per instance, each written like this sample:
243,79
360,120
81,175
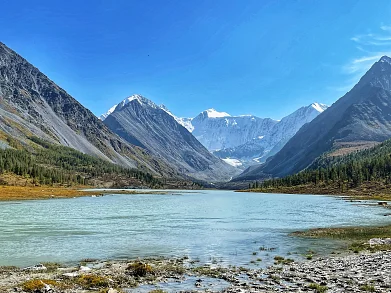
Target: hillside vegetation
367,171
50,164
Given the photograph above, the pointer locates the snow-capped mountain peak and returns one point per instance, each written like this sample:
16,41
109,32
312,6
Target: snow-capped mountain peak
142,100
212,113
262,142
319,107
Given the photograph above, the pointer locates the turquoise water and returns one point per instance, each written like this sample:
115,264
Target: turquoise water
212,226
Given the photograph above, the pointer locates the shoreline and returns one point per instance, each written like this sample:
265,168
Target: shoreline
11,193
349,273
362,193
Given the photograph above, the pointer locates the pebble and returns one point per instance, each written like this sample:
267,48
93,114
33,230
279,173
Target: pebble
339,274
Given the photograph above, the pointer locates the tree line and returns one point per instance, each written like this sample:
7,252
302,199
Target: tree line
348,171
55,164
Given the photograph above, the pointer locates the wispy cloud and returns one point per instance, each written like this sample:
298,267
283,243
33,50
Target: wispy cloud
370,47
363,63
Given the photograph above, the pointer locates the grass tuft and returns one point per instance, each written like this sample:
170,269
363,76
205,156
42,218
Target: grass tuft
92,281
318,288
139,269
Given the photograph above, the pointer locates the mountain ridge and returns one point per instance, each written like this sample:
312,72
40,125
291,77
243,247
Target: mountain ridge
362,115
33,105
154,128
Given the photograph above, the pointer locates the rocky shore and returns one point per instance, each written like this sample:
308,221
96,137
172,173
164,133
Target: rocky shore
365,272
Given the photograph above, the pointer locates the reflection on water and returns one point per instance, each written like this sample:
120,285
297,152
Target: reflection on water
212,226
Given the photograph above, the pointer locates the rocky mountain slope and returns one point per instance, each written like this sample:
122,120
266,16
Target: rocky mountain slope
262,147
360,119
141,122
33,105
219,130
247,140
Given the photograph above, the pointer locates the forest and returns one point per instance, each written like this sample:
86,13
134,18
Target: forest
348,171
51,164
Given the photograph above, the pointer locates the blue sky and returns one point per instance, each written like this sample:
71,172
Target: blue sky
243,57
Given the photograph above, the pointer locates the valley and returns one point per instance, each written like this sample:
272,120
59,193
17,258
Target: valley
243,146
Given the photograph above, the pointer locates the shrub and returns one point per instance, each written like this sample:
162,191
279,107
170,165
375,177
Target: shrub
368,288
37,284
318,288
139,269
92,281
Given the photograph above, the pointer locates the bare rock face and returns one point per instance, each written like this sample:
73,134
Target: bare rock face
33,105
363,115
143,123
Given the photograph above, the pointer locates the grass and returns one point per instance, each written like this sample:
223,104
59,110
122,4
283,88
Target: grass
22,192
39,284
210,272
92,281
356,233
139,269
367,288
357,247
318,288
367,190
48,192
357,237
282,260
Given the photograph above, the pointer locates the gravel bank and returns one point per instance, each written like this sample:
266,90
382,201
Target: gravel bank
351,273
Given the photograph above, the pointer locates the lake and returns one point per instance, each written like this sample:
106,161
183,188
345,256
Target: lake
211,226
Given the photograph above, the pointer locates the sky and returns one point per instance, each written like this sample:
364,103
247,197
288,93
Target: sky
266,58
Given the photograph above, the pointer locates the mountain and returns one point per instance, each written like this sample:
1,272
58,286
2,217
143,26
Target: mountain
363,173
360,119
153,128
219,130
246,140
31,105
262,147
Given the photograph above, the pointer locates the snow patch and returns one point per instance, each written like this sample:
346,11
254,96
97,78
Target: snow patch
212,113
319,107
111,110
185,122
233,162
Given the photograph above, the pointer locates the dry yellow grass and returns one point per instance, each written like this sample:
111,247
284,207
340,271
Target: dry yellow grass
22,192
49,192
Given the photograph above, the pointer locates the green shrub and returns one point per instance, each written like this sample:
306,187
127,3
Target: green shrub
92,281
367,288
318,288
139,269
37,284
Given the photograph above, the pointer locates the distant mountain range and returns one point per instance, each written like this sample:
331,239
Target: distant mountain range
138,134
358,120
246,139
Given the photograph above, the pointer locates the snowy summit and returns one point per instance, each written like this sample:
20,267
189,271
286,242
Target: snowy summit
212,113
319,107
136,97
